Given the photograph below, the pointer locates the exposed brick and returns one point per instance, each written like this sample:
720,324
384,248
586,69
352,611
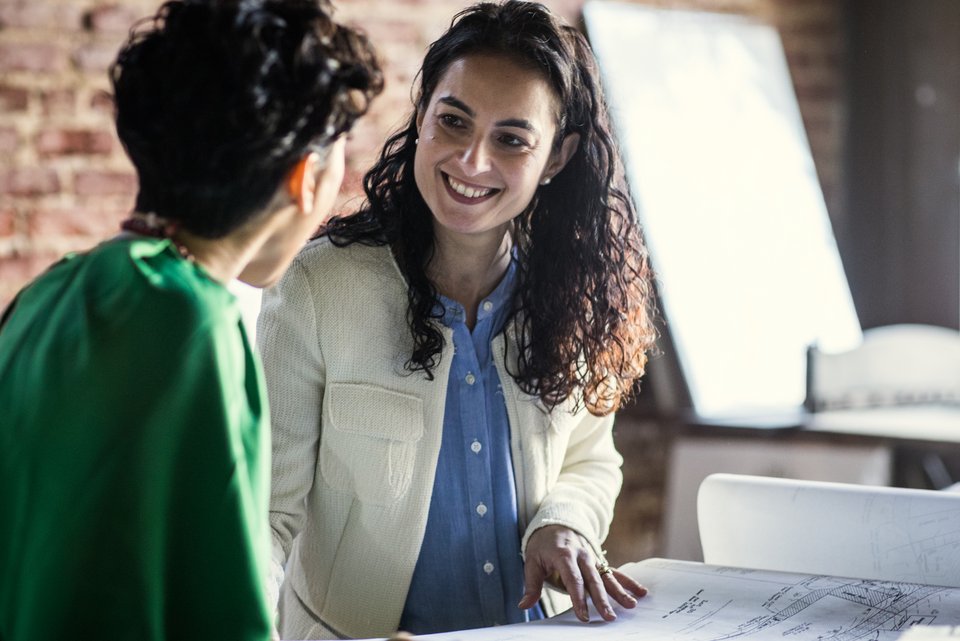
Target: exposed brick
825,27
31,14
568,10
366,139
29,181
801,13
87,221
19,269
32,57
16,271
816,92
822,74
8,222
820,111
105,183
101,101
59,101
806,57
389,30
9,140
110,18
13,98
73,141
94,57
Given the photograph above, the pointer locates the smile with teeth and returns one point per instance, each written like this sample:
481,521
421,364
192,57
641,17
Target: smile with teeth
468,191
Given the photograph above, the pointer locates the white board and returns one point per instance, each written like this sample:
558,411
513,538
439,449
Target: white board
721,171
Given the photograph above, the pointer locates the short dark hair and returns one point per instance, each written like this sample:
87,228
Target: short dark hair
583,300
217,100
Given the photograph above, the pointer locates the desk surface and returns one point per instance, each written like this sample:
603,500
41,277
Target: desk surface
923,423
915,423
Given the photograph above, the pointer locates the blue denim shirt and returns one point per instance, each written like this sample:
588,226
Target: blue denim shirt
470,572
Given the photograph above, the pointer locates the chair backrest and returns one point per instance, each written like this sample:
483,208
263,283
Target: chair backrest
839,529
894,365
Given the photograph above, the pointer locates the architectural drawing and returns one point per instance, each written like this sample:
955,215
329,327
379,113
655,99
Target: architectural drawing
691,601
735,603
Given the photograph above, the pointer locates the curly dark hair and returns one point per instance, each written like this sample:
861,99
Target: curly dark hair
583,303
217,100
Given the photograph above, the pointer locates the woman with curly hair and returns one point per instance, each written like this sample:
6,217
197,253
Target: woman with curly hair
443,432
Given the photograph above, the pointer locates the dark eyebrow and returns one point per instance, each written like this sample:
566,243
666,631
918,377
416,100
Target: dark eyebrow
517,122
456,103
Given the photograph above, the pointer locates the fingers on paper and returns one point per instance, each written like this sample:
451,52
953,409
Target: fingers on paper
597,586
633,587
573,580
622,588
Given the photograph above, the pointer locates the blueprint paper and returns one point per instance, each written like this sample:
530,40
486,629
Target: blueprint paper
691,601
884,533
932,633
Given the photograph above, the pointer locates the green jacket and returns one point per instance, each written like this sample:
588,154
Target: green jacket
134,454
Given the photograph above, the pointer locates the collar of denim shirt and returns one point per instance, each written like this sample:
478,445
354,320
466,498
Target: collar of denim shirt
450,312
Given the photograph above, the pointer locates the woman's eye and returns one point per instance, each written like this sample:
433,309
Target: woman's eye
512,141
449,120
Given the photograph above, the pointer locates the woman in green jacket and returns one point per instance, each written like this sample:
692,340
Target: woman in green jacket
134,438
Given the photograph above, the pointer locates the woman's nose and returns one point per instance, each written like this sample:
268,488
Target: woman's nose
475,157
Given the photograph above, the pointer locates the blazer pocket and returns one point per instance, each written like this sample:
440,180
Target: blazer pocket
369,442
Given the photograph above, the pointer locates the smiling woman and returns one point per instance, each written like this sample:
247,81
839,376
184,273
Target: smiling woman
486,143
443,431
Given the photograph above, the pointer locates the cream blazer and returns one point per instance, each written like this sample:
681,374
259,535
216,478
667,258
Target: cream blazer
356,439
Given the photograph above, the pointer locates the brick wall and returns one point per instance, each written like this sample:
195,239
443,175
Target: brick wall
64,180
65,183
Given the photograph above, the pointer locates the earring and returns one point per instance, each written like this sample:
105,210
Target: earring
545,181
416,141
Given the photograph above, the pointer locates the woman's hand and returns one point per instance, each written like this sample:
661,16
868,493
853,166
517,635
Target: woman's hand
559,554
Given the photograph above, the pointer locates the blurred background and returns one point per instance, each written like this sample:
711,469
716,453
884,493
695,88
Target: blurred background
877,83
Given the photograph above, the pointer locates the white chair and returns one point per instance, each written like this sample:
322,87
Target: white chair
838,529
895,368
894,365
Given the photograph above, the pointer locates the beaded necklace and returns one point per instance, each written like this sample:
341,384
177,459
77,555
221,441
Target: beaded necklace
157,227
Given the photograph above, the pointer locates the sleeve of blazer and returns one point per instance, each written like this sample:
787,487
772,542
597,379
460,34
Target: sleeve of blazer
585,491
295,373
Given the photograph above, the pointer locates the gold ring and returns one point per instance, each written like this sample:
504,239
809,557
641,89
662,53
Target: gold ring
604,568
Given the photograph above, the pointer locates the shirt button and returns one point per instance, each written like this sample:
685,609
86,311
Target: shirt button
488,567
481,509
475,447
487,306
470,379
